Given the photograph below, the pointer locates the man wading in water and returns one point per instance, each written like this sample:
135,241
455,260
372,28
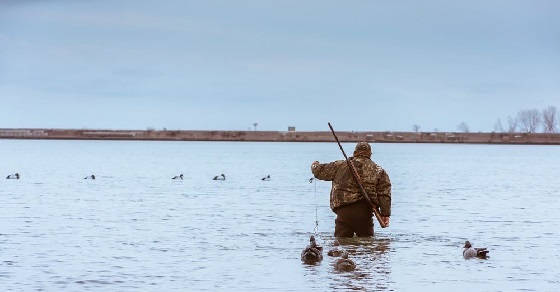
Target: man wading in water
353,213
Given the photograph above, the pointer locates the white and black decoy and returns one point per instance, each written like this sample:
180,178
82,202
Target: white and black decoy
220,177
178,177
90,176
266,178
13,176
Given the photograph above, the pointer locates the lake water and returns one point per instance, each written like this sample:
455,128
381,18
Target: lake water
134,229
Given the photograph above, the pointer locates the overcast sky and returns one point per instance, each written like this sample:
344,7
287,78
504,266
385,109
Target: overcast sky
364,65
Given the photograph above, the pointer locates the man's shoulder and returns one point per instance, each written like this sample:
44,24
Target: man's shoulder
378,168
329,165
337,163
372,166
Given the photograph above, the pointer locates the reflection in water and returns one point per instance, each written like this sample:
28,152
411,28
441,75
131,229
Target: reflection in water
373,265
147,233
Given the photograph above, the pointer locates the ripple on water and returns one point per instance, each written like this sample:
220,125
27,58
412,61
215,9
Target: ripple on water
131,230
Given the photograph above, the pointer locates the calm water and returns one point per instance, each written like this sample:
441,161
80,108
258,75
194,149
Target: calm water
134,229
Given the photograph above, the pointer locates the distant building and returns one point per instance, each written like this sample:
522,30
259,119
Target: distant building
291,129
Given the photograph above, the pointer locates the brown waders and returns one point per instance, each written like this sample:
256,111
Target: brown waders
354,218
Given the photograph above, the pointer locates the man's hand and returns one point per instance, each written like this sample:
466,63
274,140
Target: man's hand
385,220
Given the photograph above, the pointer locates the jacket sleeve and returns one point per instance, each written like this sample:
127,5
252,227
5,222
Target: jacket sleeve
384,194
325,171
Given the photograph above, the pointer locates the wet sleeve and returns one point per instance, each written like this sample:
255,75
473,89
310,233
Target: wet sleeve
384,194
325,171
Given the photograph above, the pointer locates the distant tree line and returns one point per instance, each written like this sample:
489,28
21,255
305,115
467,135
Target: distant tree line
526,121
531,121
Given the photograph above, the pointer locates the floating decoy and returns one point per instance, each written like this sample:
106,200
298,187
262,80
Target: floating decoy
335,252
220,177
13,176
178,176
90,176
313,253
344,264
474,252
311,179
266,178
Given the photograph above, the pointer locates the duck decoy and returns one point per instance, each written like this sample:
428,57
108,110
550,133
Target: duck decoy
220,177
313,253
470,252
266,178
13,176
178,177
311,180
344,264
90,176
335,252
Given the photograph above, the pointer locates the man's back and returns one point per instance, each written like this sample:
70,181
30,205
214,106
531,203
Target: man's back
353,212
345,191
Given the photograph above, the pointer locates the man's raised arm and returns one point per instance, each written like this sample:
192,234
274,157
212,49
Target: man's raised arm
325,171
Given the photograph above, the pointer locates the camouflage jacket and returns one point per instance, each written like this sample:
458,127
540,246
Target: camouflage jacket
345,191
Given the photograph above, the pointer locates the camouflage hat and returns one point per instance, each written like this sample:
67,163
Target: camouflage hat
362,150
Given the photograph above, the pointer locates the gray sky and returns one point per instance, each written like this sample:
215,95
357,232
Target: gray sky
364,65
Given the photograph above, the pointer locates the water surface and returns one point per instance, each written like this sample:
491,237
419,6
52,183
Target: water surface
134,229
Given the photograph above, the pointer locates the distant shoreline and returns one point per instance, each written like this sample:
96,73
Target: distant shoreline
280,136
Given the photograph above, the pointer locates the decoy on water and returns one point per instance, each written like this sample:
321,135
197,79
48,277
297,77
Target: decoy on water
313,253
220,177
344,264
178,176
335,252
311,180
90,176
266,178
474,252
13,176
